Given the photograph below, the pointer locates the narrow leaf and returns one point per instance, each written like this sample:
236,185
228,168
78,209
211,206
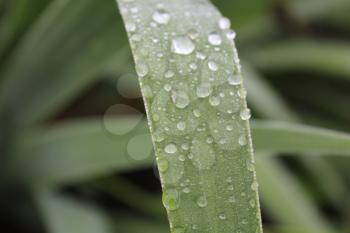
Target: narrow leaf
186,64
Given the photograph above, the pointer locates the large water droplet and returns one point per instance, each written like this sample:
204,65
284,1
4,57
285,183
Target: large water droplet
214,38
202,201
170,148
203,90
182,45
171,199
161,16
224,23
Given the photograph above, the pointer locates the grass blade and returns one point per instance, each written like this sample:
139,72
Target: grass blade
197,176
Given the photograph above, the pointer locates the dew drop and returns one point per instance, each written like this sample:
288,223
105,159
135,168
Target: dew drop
214,101
196,113
181,125
252,203
171,200
224,23
203,90
214,38
242,140
254,186
186,190
142,69
147,91
161,17
182,45
180,98
200,56
213,66
231,35
167,87
130,26
232,199
163,165
169,74
222,216
185,146
170,148
178,230
202,201
229,127
193,66
234,80
245,114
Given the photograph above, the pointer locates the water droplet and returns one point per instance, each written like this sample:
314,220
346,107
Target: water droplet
182,158
252,203
242,140
170,148
142,69
171,200
181,125
232,199
194,227
182,45
222,216
202,201
230,187
169,74
185,146
167,87
200,56
203,90
254,186
224,23
214,38
229,127
193,34
245,114
214,100
213,66
161,17
193,66
180,98
130,26
234,80
163,165
147,91
231,35
196,113
209,140
186,190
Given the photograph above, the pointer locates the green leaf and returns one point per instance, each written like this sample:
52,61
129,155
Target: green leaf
79,151
178,52
324,57
294,138
65,215
60,56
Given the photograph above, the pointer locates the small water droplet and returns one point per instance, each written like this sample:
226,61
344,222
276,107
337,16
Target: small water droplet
254,186
181,125
196,113
232,199
214,38
224,23
213,66
182,158
229,127
245,114
142,69
203,90
231,35
167,87
193,34
252,203
230,187
161,17
163,165
186,190
200,56
169,74
182,45
178,230
171,200
194,227
170,148
214,100
185,146
193,66
209,140
147,91
242,140
234,80
222,216
130,26
202,201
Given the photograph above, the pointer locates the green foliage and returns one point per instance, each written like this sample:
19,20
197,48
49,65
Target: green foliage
60,62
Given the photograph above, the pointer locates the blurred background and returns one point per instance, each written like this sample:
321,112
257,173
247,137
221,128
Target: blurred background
75,154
